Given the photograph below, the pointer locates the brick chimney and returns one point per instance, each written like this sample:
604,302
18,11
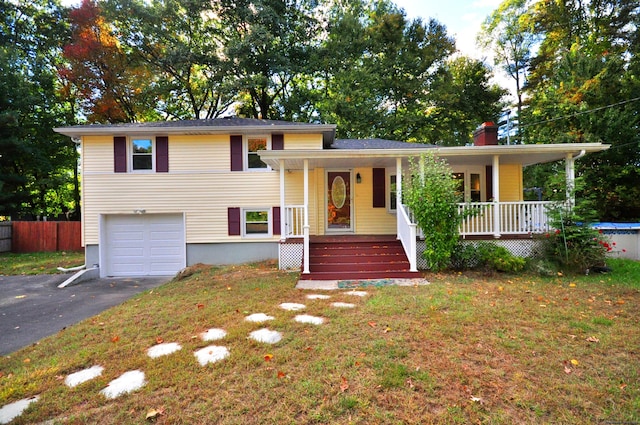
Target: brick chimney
486,135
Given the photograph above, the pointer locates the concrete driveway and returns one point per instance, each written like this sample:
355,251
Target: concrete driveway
32,307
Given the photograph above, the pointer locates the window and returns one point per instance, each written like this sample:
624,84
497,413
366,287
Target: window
253,145
141,154
256,222
392,192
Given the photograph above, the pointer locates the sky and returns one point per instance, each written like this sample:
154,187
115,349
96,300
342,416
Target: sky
461,17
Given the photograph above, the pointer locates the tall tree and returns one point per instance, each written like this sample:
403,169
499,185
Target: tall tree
183,45
36,165
509,34
114,86
269,43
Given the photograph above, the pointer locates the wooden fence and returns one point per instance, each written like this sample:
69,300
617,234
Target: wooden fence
40,236
5,236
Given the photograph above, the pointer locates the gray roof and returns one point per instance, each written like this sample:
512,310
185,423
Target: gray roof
217,122
377,144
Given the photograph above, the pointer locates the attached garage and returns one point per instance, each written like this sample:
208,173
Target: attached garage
142,244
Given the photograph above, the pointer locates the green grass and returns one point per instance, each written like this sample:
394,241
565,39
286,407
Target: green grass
38,262
465,349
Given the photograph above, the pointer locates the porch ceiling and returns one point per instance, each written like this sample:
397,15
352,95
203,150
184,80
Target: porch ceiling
463,155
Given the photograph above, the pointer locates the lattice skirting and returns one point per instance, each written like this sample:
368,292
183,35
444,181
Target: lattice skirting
290,256
527,248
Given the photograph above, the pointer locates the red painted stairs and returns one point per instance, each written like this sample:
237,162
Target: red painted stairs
357,258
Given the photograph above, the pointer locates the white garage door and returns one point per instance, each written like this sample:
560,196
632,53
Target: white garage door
144,245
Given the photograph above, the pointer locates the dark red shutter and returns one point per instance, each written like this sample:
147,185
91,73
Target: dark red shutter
233,217
489,182
379,196
162,154
277,142
120,154
236,153
275,211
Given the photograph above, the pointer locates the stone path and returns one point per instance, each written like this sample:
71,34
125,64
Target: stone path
133,380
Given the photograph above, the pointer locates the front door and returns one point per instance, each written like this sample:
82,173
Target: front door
339,212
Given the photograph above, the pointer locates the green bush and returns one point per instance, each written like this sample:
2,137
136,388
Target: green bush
574,246
488,256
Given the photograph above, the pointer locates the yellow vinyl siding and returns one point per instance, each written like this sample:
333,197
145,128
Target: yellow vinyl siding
97,154
369,220
303,141
203,198
511,182
199,153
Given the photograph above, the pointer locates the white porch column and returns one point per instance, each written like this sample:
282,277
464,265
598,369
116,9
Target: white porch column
283,225
495,178
398,193
570,173
306,226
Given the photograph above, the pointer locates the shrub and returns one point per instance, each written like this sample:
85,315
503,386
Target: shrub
431,194
574,246
486,255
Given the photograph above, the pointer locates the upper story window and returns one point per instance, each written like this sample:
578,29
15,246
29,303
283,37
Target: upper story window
142,154
253,145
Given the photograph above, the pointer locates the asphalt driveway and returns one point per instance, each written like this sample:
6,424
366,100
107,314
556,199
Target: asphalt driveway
33,307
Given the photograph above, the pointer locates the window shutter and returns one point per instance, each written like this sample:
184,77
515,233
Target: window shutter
233,217
379,195
120,154
277,142
489,182
162,154
236,153
275,212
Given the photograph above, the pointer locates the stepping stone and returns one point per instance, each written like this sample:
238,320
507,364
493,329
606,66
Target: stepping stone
15,409
343,305
305,318
357,293
292,306
163,349
318,297
211,354
83,376
126,383
258,318
213,334
266,335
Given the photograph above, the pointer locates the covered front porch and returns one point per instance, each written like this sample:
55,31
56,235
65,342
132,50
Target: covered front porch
494,218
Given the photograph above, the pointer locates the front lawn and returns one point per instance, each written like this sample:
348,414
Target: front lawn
467,348
38,262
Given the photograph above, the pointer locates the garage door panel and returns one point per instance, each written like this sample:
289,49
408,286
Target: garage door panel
149,244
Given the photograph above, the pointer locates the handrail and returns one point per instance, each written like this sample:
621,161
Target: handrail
407,235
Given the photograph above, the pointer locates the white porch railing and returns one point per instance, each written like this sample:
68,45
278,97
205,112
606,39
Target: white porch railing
407,235
514,218
294,221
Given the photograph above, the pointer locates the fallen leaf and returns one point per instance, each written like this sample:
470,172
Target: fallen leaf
199,306
26,360
344,386
115,338
281,374
152,414
593,339
159,340
228,288
268,357
560,274
372,324
387,329
623,386
574,362
476,399
567,370
20,296
410,382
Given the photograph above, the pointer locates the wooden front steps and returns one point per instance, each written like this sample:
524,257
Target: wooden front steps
357,258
